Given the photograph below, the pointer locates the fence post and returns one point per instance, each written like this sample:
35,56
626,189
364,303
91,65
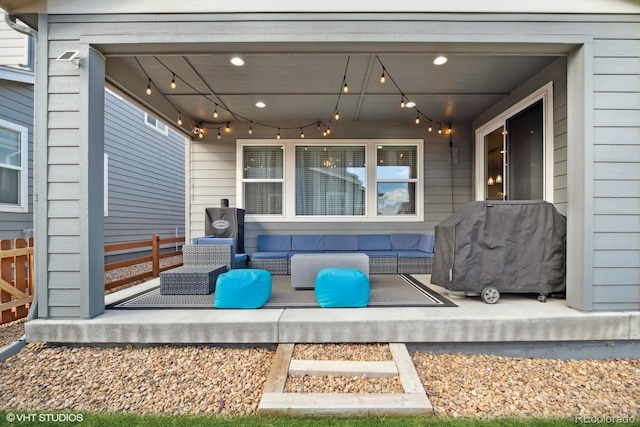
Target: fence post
155,254
5,274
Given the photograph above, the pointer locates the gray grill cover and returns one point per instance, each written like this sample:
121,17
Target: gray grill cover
516,246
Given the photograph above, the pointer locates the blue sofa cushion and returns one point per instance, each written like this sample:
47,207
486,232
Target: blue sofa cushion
275,242
307,243
342,287
270,255
414,254
427,243
242,288
236,258
341,242
405,242
374,242
381,254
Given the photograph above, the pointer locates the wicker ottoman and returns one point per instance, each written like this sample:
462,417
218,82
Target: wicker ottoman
190,279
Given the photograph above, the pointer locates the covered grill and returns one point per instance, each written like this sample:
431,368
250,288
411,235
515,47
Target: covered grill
502,246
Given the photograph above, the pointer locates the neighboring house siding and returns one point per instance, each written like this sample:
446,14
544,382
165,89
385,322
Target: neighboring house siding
16,106
146,176
14,47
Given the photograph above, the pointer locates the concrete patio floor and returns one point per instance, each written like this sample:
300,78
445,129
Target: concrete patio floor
515,320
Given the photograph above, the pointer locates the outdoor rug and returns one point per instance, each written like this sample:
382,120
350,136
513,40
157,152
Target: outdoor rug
386,290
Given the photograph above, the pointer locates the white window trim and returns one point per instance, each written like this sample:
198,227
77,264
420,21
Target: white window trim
289,184
545,93
163,129
23,206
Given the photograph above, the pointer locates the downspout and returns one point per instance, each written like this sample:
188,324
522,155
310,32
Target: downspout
18,345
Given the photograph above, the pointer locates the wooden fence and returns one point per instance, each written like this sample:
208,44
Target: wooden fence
154,244
17,267
16,278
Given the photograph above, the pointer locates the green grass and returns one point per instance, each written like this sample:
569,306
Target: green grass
130,420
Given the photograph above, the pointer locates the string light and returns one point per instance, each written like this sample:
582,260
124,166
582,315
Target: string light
328,130
219,136
440,130
201,134
418,118
324,133
301,133
383,78
215,112
430,128
227,128
179,121
250,128
149,88
278,135
345,88
173,82
402,104
337,116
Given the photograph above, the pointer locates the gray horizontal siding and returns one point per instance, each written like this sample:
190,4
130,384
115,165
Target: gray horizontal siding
616,153
16,106
146,176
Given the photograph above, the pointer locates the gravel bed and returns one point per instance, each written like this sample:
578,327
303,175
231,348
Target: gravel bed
229,381
10,332
123,273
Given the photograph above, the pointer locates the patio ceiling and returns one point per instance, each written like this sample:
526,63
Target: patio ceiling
302,88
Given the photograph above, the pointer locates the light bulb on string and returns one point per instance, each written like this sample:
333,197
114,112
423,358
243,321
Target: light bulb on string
215,112
179,121
430,128
149,88
345,88
301,133
173,82
278,135
328,130
318,125
227,128
250,128
383,78
201,134
337,116
402,104
440,130
219,136
418,118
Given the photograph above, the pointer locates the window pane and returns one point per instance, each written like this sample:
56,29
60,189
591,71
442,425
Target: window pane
10,148
396,198
263,162
525,153
494,155
9,184
396,162
330,180
263,198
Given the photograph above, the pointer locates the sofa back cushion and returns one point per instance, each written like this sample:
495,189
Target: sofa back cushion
374,242
274,242
405,242
341,242
307,243
427,243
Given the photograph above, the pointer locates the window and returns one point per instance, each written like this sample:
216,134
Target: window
263,179
14,173
350,180
396,176
156,124
514,151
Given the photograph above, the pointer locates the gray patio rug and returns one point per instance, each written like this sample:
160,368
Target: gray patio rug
386,290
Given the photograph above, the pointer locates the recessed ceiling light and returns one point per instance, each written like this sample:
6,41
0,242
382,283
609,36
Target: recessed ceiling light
410,104
440,60
237,61
260,104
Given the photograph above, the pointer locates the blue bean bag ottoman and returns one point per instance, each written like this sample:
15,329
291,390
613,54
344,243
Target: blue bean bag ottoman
242,288
342,287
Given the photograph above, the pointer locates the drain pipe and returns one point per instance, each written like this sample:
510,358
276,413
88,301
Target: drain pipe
10,20
18,345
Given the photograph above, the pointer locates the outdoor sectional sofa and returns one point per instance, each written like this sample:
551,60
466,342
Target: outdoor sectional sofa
388,253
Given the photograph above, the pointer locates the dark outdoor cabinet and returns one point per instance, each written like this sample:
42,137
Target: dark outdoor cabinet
226,222
503,246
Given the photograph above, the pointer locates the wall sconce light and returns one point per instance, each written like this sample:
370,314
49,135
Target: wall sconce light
72,56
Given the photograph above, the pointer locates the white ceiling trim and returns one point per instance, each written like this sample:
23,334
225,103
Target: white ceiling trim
207,6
